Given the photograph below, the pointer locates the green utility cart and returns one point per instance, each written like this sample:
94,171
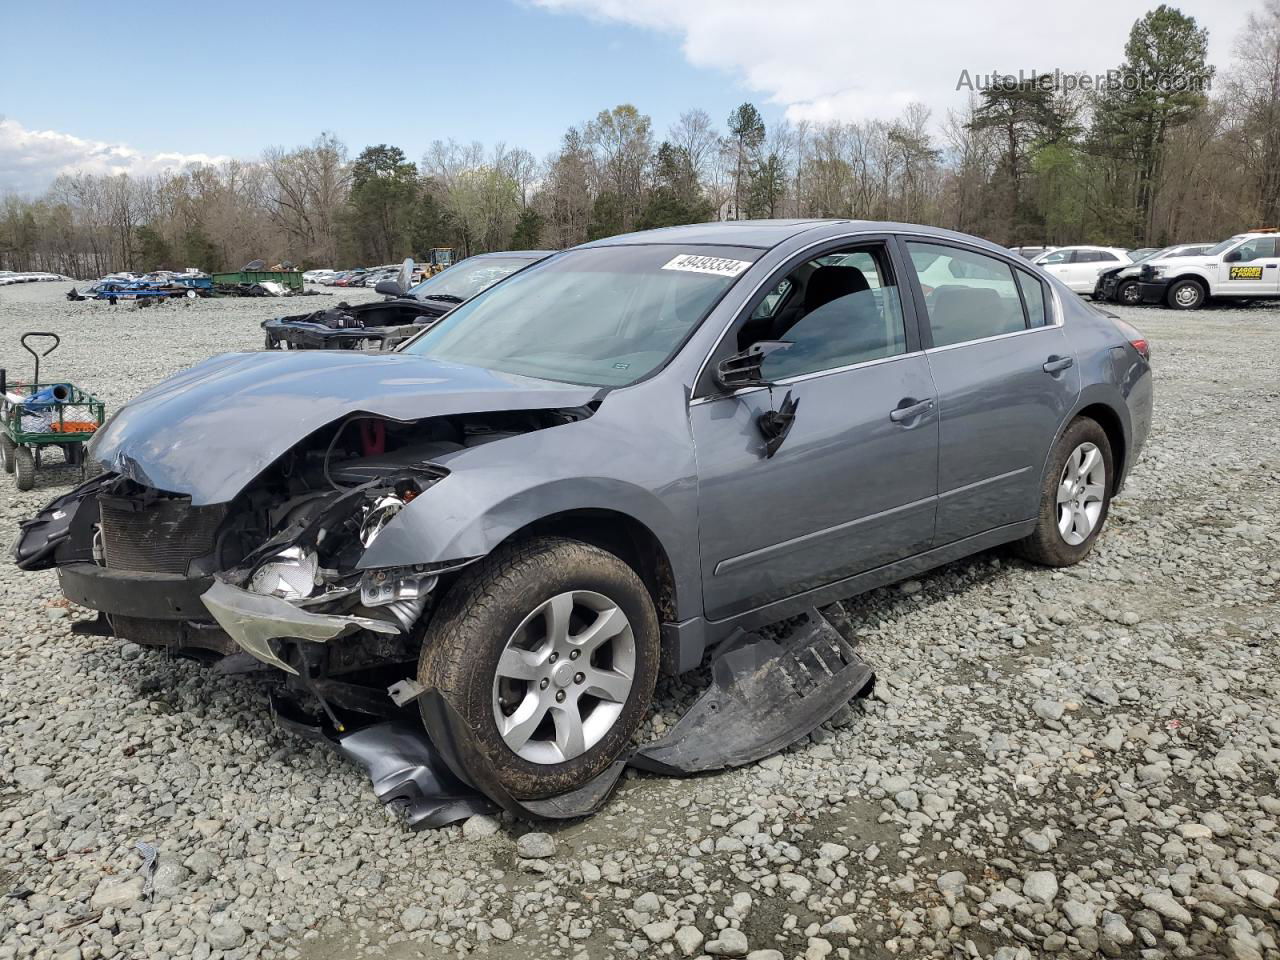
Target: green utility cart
39,415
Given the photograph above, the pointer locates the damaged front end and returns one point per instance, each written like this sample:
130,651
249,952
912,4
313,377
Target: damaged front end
381,325
277,573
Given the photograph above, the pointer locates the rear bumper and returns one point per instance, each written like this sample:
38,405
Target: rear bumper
128,593
1153,291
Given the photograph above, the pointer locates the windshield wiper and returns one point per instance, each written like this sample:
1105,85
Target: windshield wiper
447,297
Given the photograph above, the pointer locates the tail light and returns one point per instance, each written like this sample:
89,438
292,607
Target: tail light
1135,337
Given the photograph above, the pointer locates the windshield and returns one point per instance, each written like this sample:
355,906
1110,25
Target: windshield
468,278
1222,247
601,316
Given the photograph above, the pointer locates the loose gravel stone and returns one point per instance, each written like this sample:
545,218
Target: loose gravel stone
225,935
730,943
536,846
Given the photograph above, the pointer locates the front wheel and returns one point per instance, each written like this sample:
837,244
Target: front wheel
1130,294
24,469
549,649
1075,497
1186,295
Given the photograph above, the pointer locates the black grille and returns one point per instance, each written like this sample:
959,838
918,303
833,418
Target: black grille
160,536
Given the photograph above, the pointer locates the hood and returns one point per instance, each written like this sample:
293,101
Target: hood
208,431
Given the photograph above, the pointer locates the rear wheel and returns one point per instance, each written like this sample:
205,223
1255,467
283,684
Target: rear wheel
1075,497
549,649
24,468
7,448
1186,295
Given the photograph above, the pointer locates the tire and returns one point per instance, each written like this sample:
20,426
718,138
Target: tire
1185,295
7,448
1128,293
1048,544
495,605
24,468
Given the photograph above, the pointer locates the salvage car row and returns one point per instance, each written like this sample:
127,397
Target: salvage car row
1183,276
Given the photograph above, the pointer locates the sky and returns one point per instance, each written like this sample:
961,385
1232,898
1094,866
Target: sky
138,87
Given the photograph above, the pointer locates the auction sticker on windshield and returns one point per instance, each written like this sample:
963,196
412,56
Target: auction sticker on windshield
696,263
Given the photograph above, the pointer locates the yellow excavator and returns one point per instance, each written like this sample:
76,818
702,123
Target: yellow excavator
437,259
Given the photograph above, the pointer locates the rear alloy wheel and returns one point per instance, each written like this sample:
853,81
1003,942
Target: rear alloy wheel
1129,293
549,650
1185,295
1075,497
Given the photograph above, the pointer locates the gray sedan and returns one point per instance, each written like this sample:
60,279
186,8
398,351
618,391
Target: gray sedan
600,467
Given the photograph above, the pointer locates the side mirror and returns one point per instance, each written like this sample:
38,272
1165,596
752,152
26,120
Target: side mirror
1233,257
405,276
743,369
389,288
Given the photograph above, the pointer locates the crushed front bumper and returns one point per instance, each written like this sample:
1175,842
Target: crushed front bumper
1153,291
129,593
255,621
303,335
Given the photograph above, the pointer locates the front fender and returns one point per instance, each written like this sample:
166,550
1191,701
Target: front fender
496,489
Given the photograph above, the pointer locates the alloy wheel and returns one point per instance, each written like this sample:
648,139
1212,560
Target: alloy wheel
564,676
1081,491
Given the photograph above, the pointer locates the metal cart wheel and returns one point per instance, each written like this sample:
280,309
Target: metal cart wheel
7,448
24,468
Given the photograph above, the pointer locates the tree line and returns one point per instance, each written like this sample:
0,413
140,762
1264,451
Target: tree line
1178,151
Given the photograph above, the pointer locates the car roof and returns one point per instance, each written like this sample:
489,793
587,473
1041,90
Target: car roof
1094,246
766,234
518,254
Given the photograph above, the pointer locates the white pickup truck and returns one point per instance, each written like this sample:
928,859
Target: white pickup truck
1243,267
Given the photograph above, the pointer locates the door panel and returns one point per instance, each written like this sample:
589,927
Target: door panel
1062,269
1257,273
848,490
1000,412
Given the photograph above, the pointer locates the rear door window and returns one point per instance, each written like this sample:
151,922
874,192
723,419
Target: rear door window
1033,298
968,296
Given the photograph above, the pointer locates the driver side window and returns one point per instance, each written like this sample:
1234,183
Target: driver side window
836,310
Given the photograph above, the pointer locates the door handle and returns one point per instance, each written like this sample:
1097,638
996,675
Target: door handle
911,411
1058,364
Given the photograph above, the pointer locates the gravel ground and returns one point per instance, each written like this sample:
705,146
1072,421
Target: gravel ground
1080,762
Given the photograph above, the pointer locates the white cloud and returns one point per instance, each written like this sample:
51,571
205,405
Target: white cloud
31,159
855,59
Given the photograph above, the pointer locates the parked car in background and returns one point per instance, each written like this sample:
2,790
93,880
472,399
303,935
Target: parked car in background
1078,267
404,313
606,463
1243,267
317,276
1030,253
1120,284
1142,253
